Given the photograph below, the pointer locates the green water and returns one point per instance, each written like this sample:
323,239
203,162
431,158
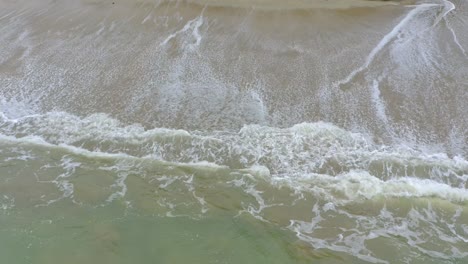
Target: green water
66,234
62,204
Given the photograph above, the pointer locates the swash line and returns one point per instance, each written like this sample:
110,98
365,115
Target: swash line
455,38
198,21
385,40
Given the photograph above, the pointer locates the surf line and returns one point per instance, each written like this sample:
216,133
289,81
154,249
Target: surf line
383,42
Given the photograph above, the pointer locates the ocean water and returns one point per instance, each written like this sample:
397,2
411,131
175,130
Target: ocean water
253,131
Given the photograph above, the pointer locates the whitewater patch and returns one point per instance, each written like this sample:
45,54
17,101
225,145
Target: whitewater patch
320,155
360,186
275,175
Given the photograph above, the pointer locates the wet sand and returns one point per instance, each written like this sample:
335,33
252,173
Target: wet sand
386,70
312,131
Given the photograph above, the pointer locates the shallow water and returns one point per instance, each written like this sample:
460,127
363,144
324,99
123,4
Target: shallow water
233,132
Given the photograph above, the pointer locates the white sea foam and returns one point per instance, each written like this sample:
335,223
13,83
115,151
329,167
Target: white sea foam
359,185
315,166
257,170
117,157
385,224
337,167
193,26
6,202
119,183
385,40
148,17
455,38
447,8
64,185
379,104
191,188
331,157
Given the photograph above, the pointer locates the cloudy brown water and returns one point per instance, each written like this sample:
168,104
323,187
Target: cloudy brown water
217,131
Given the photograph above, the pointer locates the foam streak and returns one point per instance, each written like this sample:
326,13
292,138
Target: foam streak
194,25
383,42
455,38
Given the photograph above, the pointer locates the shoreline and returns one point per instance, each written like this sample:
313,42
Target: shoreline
294,4
272,5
